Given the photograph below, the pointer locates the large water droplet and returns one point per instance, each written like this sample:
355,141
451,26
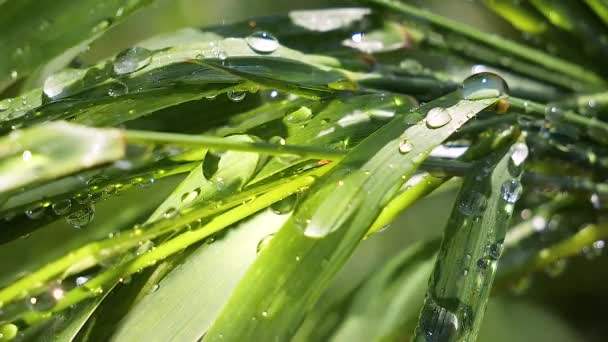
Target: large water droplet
438,323
62,207
472,204
438,117
131,60
262,42
483,86
236,95
81,217
511,190
483,263
170,213
118,89
495,250
405,146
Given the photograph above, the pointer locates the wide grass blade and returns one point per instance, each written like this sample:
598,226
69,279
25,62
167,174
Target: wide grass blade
290,274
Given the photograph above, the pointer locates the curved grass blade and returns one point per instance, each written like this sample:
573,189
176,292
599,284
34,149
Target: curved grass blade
460,284
290,274
101,95
35,32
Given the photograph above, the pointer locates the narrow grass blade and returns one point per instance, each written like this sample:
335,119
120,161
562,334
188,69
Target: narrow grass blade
460,284
387,305
290,274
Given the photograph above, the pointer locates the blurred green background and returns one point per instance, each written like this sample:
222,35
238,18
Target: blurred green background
571,307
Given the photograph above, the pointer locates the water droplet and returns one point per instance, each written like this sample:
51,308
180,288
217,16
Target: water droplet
495,250
102,25
8,332
539,223
262,42
438,117
285,206
472,204
519,153
190,196
264,243
553,112
81,217
26,155
483,86
117,89
35,213
277,140
14,74
405,146
298,116
131,60
43,301
170,213
62,207
483,263
236,95
438,323
511,190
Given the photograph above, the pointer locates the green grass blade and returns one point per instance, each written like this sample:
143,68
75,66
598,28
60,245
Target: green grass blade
460,284
387,305
53,150
34,33
187,300
290,274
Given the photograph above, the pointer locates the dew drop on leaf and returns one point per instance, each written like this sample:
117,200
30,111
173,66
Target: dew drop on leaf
81,217
62,207
285,205
262,42
264,243
519,153
236,95
495,250
190,196
483,86
438,117
438,323
405,146
511,190
472,204
483,263
170,213
131,60
35,213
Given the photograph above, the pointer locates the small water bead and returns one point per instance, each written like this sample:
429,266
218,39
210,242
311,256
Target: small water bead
298,116
118,89
438,117
62,207
35,213
190,196
483,263
170,213
511,191
262,42
264,243
81,217
483,86
131,60
146,183
553,112
472,204
236,95
405,146
285,206
495,250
